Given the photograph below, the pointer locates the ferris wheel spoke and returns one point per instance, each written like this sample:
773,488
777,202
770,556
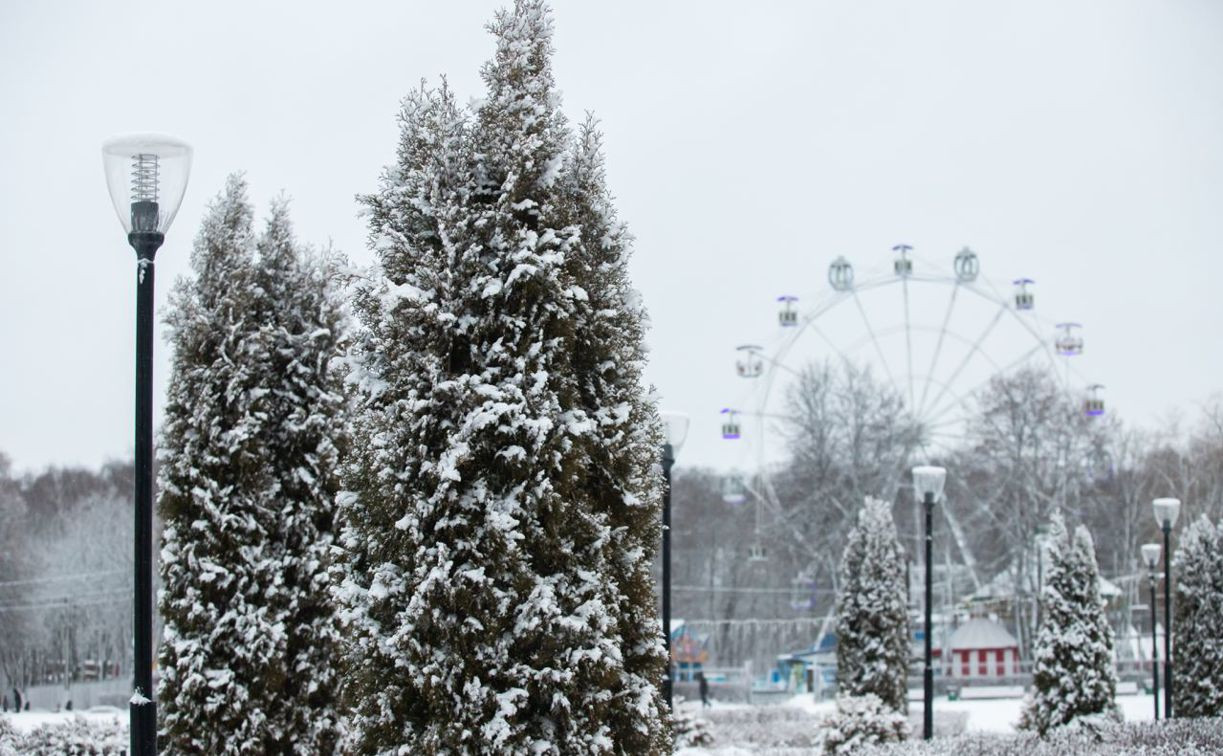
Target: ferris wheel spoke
831,346
938,347
874,340
908,340
962,403
766,415
781,365
939,419
1017,362
961,543
955,421
942,420
976,347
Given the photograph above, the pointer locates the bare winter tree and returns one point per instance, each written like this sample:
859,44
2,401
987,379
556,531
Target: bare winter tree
849,437
13,588
65,536
85,565
1031,451
718,588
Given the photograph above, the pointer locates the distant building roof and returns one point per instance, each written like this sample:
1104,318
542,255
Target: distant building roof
981,633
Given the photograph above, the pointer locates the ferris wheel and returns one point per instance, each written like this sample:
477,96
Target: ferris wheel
935,334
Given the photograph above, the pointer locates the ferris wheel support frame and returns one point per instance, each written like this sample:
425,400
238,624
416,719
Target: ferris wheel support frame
764,492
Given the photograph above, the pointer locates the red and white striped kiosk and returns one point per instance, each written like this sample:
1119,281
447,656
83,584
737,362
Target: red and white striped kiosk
982,648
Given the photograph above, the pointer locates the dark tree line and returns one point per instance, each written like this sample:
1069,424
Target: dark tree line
65,573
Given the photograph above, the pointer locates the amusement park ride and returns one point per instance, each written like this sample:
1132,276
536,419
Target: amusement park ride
935,336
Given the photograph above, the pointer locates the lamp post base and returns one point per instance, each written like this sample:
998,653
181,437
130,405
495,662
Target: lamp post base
143,722
927,730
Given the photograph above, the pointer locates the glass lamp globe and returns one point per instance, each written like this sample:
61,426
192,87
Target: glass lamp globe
675,429
147,177
1166,511
929,480
1150,555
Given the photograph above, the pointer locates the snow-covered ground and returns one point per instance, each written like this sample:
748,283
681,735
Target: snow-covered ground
986,715
1000,715
26,721
997,715
740,728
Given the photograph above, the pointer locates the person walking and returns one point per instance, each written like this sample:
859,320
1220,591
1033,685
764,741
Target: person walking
700,676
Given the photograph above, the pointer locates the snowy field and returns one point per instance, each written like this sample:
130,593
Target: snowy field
26,721
743,728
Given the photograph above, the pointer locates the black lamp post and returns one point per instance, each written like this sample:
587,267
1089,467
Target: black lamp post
1150,557
147,175
1166,511
928,485
675,427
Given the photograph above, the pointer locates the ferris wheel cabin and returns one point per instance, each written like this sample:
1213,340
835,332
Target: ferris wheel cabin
734,490
966,265
841,274
750,364
902,264
1094,405
730,425
1069,343
787,316
1023,298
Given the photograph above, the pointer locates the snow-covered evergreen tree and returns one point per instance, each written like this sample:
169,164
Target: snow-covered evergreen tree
1197,569
872,613
619,443
254,428
502,510
1074,682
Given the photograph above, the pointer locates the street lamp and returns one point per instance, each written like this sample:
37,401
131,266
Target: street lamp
1166,511
928,485
675,430
1150,557
147,176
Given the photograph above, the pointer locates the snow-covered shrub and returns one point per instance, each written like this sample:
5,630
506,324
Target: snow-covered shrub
1168,736
253,431
860,721
9,739
1074,680
690,730
502,504
872,610
76,737
1197,574
761,727
1177,737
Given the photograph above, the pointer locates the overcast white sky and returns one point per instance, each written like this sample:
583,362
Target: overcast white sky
1076,142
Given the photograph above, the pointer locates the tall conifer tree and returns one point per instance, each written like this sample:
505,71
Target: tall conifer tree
501,516
249,476
873,646
1074,681
1198,626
